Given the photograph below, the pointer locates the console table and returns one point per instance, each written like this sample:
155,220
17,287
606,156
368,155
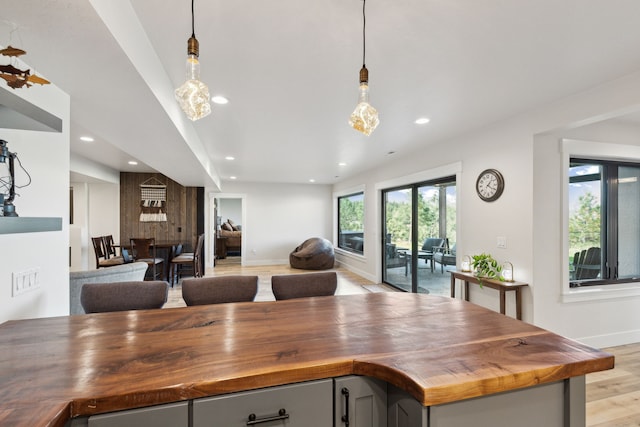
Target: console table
502,287
53,370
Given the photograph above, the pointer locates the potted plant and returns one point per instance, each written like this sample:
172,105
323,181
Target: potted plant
486,266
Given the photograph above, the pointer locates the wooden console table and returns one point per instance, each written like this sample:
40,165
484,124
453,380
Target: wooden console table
502,287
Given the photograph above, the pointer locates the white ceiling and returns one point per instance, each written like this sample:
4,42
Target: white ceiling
290,70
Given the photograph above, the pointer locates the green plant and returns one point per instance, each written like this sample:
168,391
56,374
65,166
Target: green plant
486,266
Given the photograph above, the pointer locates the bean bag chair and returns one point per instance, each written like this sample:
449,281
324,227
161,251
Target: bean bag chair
315,253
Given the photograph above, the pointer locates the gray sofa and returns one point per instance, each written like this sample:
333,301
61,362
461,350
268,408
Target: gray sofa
120,273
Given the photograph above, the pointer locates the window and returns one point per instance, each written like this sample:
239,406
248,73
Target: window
604,222
351,222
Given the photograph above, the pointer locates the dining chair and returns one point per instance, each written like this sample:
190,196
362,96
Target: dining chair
101,257
288,286
121,296
110,250
144,250
219,289
190,260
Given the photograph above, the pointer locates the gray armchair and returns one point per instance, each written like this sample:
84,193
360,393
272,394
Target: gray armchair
430,246
444,256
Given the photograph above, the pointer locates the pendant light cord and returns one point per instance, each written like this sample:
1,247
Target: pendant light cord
193,31
364,40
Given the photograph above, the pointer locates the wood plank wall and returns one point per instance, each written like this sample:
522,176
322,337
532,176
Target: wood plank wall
184,218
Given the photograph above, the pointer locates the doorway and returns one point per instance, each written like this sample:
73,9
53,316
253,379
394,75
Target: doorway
419,225
228,213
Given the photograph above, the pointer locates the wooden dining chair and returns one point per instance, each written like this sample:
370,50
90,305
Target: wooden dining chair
102,260
109,248
192,261
144,250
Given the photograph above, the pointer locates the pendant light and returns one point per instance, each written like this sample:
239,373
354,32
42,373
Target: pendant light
193,95
364,118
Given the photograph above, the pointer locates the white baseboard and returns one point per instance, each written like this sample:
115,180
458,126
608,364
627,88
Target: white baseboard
611,340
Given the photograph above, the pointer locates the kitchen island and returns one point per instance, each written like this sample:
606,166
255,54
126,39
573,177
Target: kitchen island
437,350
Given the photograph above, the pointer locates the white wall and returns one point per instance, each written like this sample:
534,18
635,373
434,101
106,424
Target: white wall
103,214
602,315
529,212
278,218
96,200
45,155
230,209
78,231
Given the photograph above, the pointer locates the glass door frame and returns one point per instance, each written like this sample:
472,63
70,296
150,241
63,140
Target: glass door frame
413,187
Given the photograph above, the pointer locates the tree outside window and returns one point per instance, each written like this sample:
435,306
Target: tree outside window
351,222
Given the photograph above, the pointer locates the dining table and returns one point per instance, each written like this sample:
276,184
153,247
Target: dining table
164,250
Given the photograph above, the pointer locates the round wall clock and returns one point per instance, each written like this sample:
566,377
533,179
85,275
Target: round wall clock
490,185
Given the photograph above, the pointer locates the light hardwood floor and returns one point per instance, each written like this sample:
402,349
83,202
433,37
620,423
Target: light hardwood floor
613,397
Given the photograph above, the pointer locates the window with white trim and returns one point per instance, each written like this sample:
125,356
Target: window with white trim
604,222
351,222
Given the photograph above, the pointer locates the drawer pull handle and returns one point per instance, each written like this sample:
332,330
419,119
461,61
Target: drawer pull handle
345,417
282,415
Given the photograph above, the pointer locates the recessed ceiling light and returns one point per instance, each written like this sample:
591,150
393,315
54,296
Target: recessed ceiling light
219,99
133,162
232,177
229,158
342,164
422,120
312,180
86,139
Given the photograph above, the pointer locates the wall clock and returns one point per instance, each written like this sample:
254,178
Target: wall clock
490,185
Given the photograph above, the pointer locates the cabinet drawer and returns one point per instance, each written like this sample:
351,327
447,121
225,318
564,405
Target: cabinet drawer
171,415
307,404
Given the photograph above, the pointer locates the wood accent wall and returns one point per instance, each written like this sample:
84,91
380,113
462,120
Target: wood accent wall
185,211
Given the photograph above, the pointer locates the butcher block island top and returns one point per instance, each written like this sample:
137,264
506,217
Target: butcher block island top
436,348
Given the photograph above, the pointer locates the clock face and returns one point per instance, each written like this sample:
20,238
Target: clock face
490,185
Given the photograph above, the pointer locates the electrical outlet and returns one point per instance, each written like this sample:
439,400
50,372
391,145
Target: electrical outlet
502,242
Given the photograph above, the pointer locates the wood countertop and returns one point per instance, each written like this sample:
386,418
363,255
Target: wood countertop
438,349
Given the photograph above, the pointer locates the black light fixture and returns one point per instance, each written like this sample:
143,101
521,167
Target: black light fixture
364,118
193,95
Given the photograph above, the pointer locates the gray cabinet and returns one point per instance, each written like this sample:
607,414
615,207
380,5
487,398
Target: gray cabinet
171,415
308,404
559,404
360,402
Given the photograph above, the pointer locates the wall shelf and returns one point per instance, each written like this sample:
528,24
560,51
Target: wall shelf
13,225
18,113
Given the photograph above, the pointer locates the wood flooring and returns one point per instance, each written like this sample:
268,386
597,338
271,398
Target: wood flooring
613,397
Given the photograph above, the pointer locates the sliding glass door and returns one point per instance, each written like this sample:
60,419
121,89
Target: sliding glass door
420,234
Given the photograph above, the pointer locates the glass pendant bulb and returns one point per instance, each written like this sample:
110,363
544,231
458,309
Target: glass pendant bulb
193,95
364,118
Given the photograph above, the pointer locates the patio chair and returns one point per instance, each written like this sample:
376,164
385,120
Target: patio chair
429,247
444,256
588,264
